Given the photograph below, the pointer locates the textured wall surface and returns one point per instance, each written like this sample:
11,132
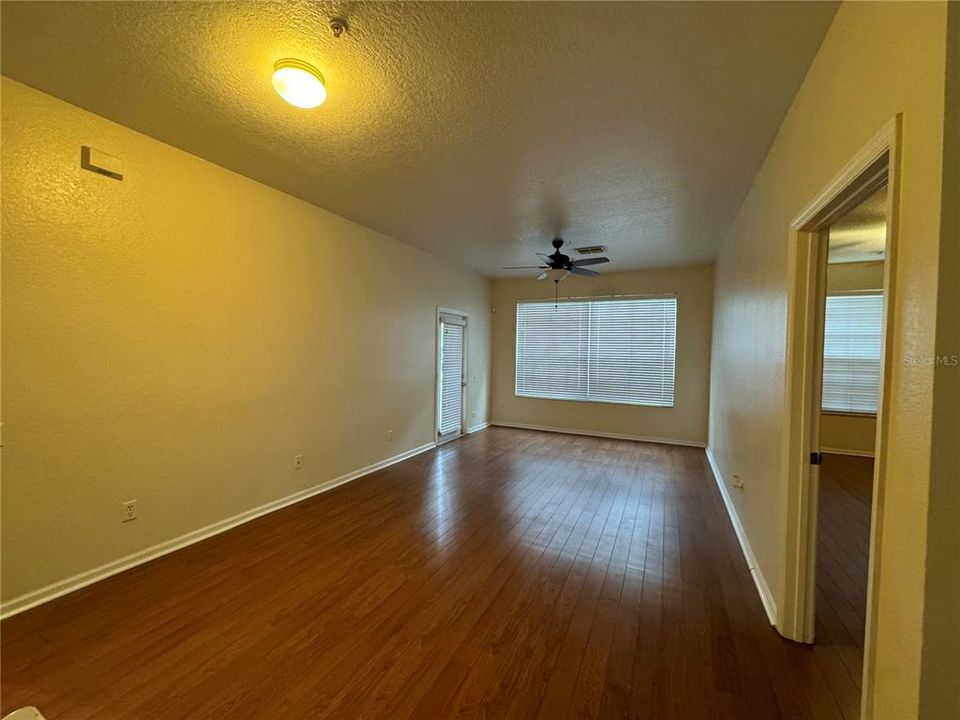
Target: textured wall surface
877,60
474,130
855,434
179,336
940,691
685,422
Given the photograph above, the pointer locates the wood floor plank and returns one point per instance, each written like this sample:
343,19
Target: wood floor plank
509,574
843,550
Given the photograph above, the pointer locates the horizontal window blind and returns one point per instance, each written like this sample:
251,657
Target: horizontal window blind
619,351
851,352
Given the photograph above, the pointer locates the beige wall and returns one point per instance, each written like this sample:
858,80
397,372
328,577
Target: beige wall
685,422
179,336
847,277
850,433
939,690
877,60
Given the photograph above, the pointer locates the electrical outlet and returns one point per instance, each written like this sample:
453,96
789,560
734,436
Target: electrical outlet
129,510
298,462
389,434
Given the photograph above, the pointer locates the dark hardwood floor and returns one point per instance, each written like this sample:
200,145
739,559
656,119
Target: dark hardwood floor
843,551
510,574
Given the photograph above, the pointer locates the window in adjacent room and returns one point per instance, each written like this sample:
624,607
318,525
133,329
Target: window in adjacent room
853,328
605,350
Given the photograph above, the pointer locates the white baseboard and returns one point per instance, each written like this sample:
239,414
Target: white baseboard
766,597
593,433
88,577
841,451
478,428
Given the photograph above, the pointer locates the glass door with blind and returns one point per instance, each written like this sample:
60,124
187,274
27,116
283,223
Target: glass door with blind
451,382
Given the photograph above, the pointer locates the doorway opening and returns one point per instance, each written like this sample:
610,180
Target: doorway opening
451,374
842,271
850,342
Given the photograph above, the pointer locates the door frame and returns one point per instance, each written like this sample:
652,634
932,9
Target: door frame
438,328
877,163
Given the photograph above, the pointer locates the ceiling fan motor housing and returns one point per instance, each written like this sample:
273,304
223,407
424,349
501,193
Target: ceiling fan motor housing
559,261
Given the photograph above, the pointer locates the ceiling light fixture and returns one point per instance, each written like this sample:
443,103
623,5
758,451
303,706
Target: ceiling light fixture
299,83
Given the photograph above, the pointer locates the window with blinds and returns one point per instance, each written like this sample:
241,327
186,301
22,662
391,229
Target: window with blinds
853,326
617,351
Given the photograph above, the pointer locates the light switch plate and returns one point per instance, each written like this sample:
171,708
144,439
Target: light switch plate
100,162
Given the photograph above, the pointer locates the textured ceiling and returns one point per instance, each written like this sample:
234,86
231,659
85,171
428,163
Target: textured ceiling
473,130
860,235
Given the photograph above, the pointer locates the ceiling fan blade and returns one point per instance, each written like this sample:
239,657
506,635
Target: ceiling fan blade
546,258
582,271
542,276
590,261
523,267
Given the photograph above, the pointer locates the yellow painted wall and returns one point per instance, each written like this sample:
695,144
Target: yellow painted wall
877,60
179,336
939,689
685,422
846,277
850,433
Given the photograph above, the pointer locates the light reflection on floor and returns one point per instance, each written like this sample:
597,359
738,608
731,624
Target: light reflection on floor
442,501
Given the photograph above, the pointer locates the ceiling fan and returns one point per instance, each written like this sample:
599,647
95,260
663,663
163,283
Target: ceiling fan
557,265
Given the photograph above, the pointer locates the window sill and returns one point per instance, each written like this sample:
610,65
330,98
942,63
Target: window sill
849,413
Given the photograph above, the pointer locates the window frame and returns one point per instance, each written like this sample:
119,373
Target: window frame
599,299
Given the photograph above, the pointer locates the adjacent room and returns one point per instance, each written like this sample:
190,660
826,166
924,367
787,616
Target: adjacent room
501,360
